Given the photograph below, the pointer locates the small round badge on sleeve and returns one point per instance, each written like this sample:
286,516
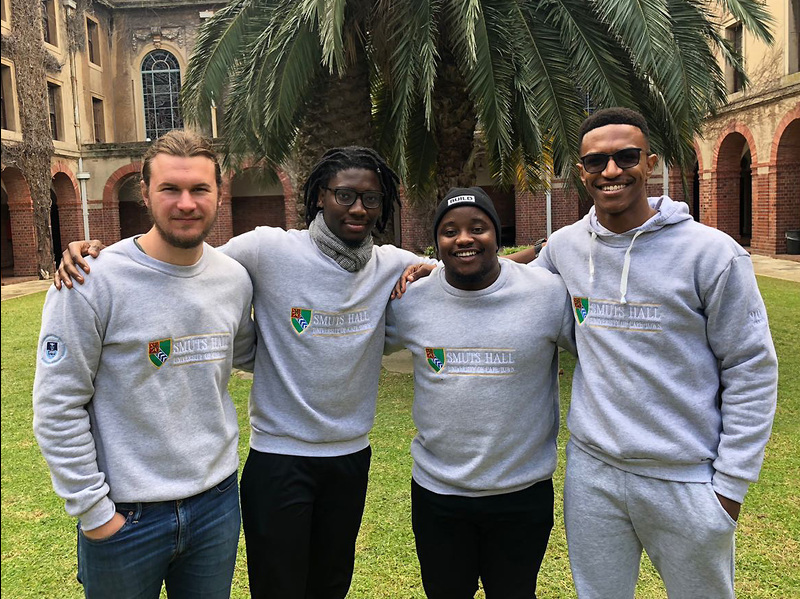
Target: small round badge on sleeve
53,349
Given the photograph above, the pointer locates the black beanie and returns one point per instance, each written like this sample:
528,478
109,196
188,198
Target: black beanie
458,197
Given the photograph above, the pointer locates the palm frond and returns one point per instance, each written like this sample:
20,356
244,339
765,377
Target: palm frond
421,158
328,17
268,95
408,76
552,87
642,26
753,15
598,62
220,42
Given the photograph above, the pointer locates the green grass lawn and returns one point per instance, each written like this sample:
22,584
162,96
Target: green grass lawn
38,538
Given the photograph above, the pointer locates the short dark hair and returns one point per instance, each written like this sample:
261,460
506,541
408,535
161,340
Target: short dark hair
183,144
336,160
614,116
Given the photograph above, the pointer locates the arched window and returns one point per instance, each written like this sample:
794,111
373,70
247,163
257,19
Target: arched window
161,83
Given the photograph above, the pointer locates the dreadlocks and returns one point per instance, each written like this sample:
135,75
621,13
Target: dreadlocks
339,159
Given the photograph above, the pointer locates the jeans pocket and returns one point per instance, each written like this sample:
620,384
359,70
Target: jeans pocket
226,484
119,533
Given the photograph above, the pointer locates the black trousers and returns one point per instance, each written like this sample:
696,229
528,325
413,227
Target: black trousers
500,539
301,517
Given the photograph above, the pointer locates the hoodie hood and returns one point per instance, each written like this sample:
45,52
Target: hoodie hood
668,212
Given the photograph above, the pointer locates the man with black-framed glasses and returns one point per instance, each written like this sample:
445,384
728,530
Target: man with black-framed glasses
674,395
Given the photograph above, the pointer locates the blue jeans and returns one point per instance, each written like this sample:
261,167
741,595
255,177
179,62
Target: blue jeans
189,544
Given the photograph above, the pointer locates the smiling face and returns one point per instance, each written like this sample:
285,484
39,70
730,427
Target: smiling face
182,199
352,224
620,196
468,248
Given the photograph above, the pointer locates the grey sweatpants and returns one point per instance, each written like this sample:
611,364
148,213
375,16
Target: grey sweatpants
611,515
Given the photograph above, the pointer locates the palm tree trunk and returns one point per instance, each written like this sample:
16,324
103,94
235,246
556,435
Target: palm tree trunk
338,114
454,130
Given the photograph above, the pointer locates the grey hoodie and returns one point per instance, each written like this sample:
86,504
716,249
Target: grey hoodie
677,374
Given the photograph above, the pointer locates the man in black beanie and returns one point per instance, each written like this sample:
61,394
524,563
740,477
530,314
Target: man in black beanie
485,406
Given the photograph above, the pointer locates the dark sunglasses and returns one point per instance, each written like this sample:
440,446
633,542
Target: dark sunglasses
347,197
596,163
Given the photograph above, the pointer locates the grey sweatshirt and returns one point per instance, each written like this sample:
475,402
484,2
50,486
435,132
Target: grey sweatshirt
485,378
315,383
130,395
677,374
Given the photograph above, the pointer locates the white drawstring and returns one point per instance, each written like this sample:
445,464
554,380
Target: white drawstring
623,284
591,262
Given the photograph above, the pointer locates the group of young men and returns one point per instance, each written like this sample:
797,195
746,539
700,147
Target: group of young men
673,394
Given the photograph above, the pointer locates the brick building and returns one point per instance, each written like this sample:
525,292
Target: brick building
108,96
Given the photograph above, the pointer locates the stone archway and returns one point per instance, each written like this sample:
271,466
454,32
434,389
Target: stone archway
66,219
787,184
20,219
133,216
733,189
120,178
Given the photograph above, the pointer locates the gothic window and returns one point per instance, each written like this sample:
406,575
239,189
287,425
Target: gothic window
161,83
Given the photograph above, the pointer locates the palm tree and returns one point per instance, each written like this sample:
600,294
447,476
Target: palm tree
416,79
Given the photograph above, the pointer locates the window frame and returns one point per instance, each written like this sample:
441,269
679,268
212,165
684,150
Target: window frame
55,110
50,22
153,79
98,106
10,101
93,53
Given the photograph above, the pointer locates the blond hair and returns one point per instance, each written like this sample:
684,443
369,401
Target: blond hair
184,144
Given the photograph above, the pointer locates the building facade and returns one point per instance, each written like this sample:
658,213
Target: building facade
113,71
746,181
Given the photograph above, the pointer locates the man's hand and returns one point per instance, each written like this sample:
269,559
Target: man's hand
527,255
106,530
72,259
730,506
410,274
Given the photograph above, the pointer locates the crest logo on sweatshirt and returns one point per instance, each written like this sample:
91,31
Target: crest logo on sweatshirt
581,307
53,349
436,357
301,319
159,351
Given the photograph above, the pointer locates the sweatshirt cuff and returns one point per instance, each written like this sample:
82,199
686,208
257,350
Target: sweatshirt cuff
730,487
101,513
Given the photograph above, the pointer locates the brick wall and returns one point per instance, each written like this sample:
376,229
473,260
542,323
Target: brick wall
68,201
251,212
20,212
415,228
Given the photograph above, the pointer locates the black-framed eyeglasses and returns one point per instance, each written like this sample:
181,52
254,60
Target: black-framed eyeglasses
625,158
347,197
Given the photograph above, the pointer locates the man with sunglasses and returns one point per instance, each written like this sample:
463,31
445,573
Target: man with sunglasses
674,394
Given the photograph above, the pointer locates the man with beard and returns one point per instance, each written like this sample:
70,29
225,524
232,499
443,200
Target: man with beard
131,408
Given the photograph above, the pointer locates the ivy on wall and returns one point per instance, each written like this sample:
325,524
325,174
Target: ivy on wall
32,156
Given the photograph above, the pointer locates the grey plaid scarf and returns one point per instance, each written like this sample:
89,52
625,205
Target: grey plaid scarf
350,258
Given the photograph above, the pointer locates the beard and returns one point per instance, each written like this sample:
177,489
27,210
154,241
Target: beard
184,243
